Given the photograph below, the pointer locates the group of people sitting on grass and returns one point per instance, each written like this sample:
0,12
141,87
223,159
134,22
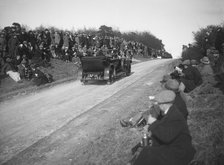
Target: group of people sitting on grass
165,121
19,49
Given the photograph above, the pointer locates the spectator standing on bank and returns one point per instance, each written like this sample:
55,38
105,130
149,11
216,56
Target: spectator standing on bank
57,38
65,40
47,37
23,36
32,40
52,38
12,45
2,45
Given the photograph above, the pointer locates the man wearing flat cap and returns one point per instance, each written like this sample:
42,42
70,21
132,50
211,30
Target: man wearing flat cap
179,102
180,99
171,140
140,119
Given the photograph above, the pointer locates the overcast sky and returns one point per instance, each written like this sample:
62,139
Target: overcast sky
172,21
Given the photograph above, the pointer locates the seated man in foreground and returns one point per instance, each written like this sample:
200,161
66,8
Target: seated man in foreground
140,119
171,140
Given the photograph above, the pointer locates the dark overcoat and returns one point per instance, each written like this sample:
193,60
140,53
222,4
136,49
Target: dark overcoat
197,76
192,73
171,142
189,84
181,105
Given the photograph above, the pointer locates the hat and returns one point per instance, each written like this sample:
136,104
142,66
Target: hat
172,84
165,96
205,60
186,62
166,77
16,24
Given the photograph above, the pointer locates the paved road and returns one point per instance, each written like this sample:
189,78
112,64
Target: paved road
25,121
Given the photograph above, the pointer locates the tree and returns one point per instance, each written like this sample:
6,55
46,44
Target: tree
105,31
205,37
145,38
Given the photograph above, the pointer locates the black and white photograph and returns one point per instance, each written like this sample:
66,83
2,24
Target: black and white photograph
111,82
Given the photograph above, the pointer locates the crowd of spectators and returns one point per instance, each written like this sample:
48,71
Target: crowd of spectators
212,61
165,122
20,49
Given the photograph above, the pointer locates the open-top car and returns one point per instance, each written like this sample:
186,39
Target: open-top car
104,68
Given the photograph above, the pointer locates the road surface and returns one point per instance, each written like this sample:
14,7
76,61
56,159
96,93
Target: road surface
53,125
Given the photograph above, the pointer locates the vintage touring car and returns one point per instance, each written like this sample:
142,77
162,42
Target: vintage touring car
104,68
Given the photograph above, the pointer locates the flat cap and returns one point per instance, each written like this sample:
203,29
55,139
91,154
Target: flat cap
172,84
165,96
186,62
